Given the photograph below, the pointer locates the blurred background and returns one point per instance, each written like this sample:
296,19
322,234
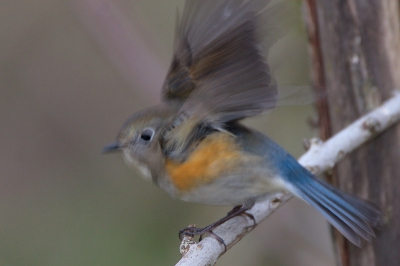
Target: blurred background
71,72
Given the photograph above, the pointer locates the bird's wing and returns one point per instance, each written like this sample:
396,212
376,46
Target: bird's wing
218,72
211,39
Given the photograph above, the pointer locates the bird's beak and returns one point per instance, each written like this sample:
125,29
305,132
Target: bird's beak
112,147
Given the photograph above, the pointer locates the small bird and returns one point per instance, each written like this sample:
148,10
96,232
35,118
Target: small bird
194,146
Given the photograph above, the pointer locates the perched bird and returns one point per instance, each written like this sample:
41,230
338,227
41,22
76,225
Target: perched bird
194,146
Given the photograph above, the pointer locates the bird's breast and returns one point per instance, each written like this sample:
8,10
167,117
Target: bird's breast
217,155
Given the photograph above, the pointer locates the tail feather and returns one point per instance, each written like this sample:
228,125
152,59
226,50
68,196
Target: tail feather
352,222
346,231
352,216
356,223
335,203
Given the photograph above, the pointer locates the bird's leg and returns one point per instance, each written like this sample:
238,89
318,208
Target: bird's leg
236,211
249,215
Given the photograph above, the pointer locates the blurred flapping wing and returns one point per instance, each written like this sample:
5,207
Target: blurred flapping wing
219,73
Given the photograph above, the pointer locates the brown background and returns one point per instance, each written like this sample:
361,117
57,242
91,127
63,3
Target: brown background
65,89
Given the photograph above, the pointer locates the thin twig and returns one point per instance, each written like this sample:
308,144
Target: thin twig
122,44
321,157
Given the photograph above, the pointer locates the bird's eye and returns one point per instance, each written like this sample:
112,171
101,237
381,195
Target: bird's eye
147,134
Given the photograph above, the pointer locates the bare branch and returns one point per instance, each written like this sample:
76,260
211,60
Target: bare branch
322,156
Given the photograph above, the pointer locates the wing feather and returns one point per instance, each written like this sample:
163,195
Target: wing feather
218,72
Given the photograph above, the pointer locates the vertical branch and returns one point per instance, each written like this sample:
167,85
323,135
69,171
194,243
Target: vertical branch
360,45
321,103
318,76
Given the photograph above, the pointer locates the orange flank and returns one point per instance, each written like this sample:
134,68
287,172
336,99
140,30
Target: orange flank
214,156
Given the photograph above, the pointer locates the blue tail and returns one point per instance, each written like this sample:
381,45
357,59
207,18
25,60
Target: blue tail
352,216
